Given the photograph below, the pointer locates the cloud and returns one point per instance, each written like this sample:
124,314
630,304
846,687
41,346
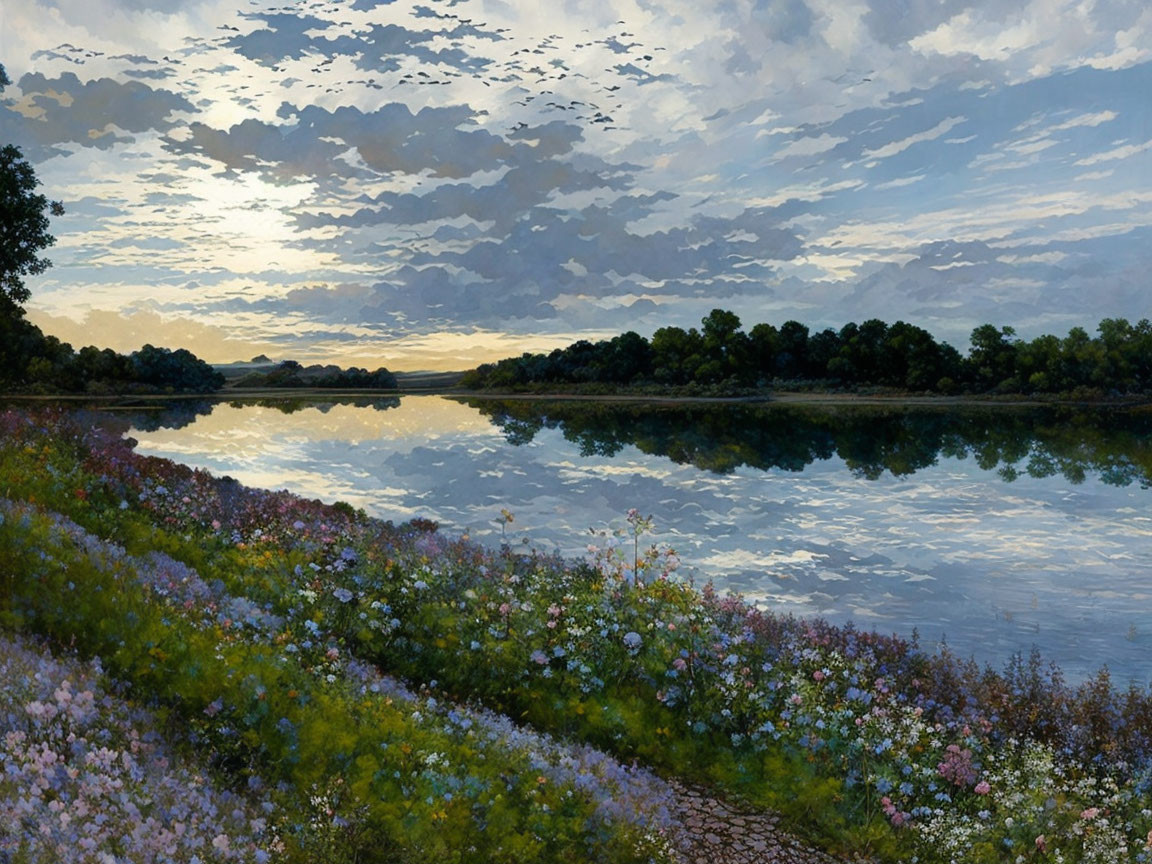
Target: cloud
809,146
1124,152
65,110
338,176
941,128
900,182
311,141
131,328
896,21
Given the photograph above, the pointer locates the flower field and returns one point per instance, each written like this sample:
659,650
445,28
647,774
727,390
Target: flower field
254,649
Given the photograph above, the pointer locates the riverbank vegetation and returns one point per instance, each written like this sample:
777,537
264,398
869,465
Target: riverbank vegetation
33,363
720,358
290,374
267,627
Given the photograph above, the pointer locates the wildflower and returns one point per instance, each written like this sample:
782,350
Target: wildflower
632,639
1089,814
982,788
343,595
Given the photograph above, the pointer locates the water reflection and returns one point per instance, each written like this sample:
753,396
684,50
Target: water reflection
1040,442
150,415
892,519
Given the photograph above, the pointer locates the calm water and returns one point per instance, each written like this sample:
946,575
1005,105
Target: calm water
995,530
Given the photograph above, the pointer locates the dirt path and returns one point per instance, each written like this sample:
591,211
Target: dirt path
713,832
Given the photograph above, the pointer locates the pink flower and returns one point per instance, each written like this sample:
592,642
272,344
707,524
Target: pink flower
982,788
1042,843
1089,814
818,675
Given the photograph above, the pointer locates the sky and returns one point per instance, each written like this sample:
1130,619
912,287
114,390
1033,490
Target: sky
428,184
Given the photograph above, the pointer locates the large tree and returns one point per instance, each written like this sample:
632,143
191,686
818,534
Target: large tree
23,222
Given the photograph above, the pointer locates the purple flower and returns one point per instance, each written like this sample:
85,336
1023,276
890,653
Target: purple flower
632,639
343,595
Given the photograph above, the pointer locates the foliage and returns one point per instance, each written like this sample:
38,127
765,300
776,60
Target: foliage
33,362
399,776
178,370
292,374
864,739
85,777
900,357
23,223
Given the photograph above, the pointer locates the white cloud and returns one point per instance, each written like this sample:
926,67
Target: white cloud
808,147
1094,119
941,128
900,181
1125,152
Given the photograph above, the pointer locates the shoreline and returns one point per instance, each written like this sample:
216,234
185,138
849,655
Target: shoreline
789,397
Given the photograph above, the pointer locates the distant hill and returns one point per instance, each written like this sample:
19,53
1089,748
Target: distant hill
290,374
427,380
261,363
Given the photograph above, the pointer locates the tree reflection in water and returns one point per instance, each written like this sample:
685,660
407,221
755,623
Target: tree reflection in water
1112,443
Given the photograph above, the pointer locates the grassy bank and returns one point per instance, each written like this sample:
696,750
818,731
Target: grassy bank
863,741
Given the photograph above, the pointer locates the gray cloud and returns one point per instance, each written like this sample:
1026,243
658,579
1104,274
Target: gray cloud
65,110
390,139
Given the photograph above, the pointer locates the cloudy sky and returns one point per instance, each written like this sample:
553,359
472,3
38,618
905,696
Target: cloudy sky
430,183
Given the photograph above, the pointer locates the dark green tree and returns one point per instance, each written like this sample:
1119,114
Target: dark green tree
992,358
23,222
792,350
676,354
763,340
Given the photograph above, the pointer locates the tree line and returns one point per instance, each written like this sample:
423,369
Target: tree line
290,373
721,356
30,361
